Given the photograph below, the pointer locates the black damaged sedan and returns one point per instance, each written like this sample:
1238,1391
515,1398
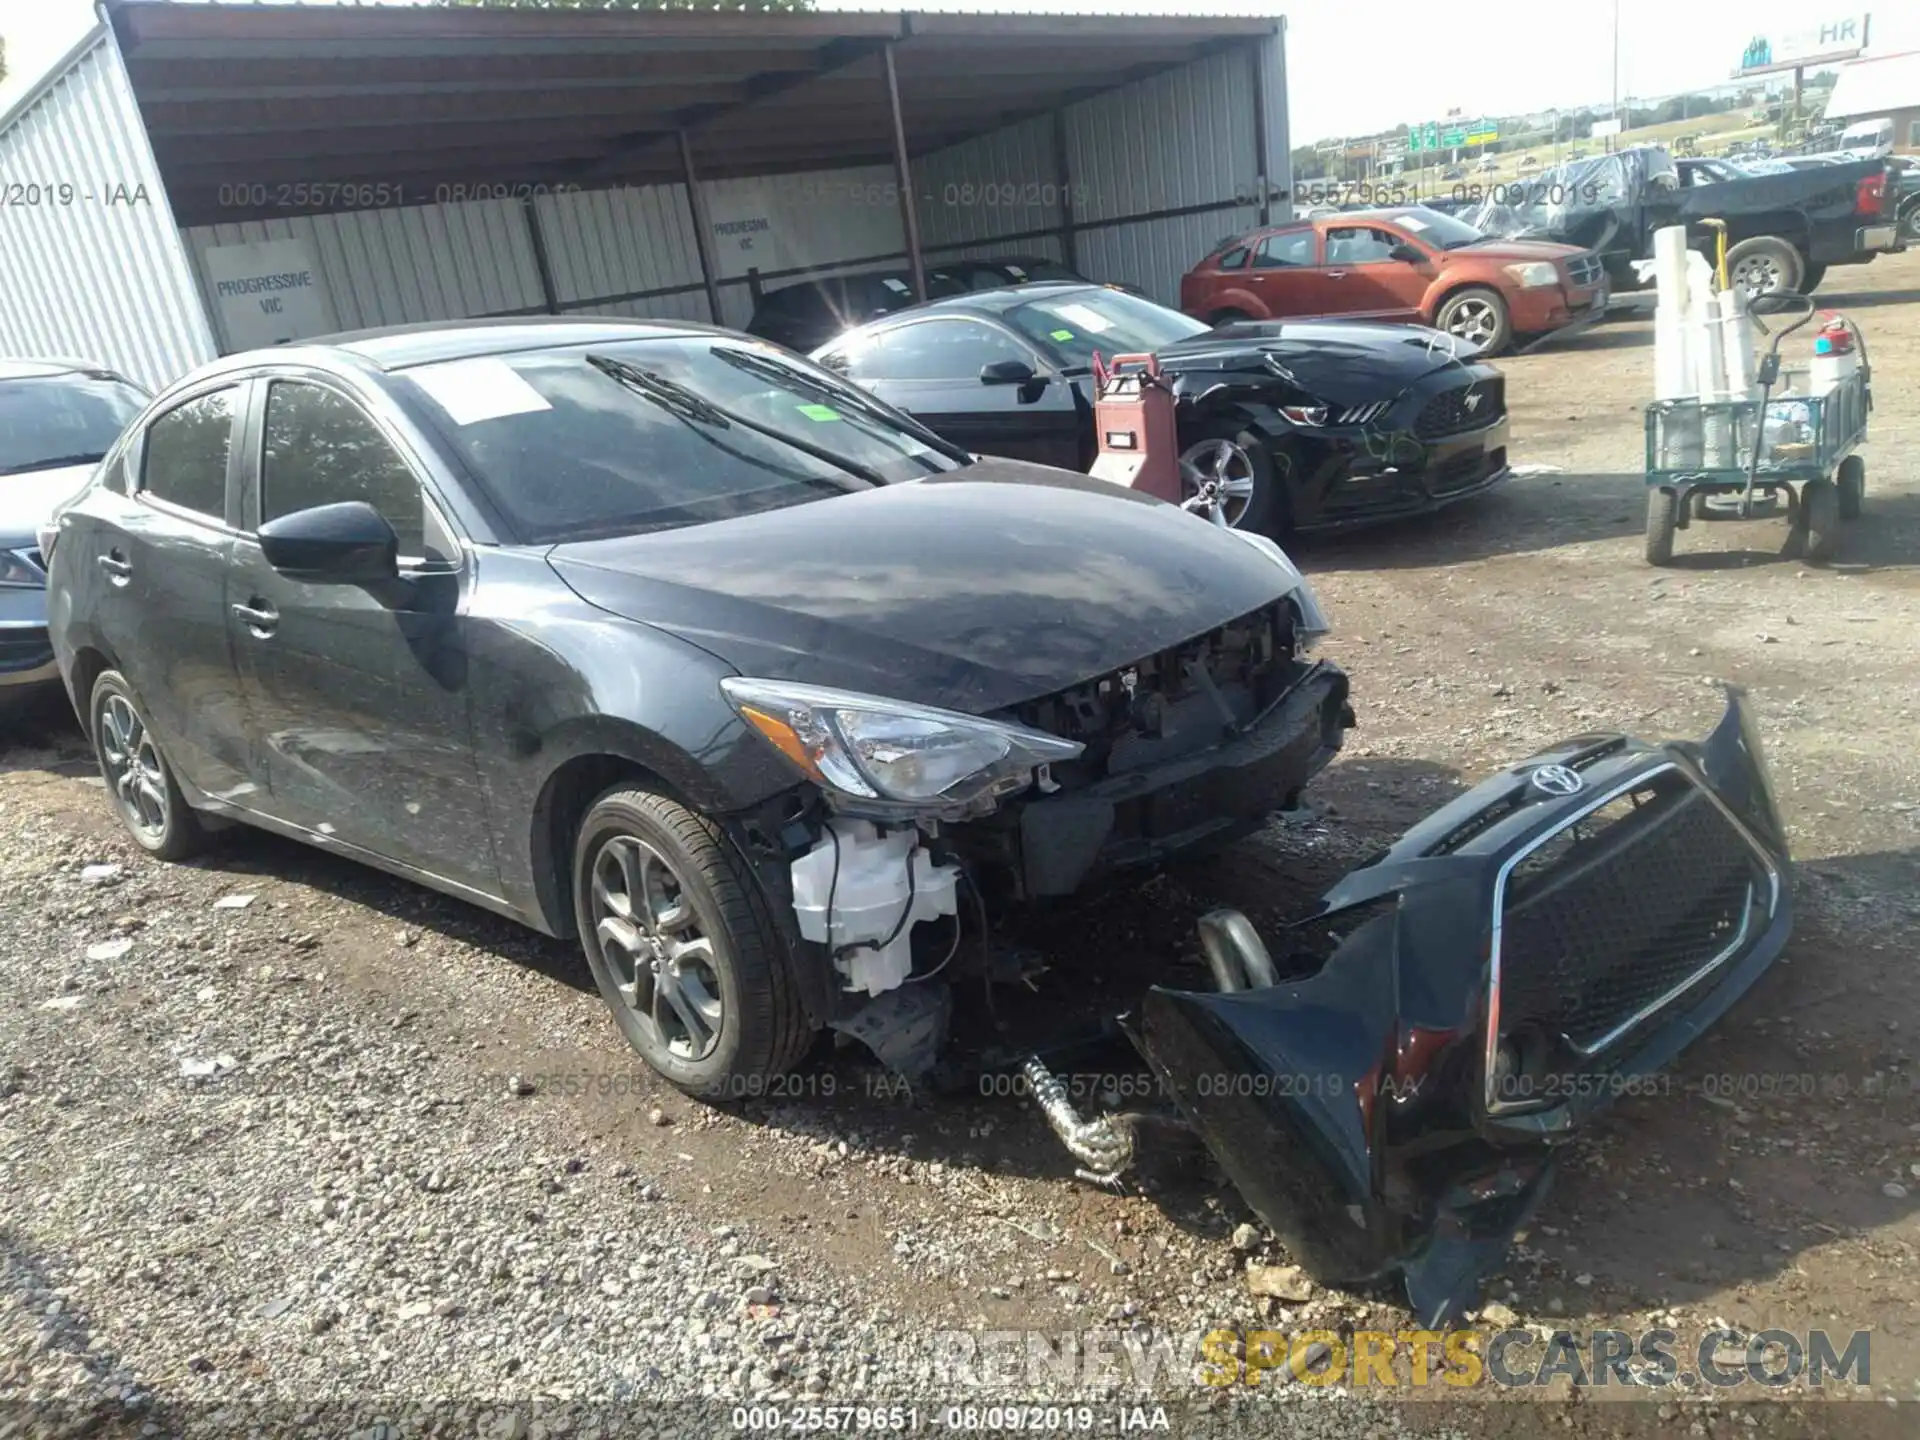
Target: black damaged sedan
1300,425
659,636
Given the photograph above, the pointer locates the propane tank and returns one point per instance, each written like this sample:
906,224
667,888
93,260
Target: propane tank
1835,357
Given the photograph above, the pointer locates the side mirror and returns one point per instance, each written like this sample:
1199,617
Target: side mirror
1006,372
1408,254
345,544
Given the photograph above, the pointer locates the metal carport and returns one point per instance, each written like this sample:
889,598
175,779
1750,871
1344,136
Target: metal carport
421,162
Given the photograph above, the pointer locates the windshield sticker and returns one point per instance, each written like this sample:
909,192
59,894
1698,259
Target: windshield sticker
471,391
1412,222
1018,272
1091,321
899,287
819,412
1062,335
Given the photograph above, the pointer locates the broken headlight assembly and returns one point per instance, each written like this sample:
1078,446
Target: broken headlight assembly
877,756
1310,621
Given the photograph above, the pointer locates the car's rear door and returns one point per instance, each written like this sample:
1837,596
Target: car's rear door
359,692
1283,272
148,548
932,368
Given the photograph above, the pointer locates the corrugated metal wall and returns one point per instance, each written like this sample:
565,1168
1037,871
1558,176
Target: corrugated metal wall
1182,142
98,271
390,267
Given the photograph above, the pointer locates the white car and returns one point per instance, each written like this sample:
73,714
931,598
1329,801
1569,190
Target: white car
57,419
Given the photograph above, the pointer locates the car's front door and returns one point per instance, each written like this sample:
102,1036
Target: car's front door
1364,269
158,539
358,692
938,371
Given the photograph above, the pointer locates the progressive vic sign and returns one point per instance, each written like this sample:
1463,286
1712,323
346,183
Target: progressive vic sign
267,293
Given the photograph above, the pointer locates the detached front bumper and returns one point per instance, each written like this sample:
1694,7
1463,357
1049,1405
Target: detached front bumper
1143,815
1519,960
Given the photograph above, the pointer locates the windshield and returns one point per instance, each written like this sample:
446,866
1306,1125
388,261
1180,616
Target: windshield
1443,232
1075,323
652,434
48,422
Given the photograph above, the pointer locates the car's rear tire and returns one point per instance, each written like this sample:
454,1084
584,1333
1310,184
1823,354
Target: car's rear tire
683,948
1764,264
1819,520
1478,315
1253,473
139,780
1663,518
1852,479
1227,317
1810,277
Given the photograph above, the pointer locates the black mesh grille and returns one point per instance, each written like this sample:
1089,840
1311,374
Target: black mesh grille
1583,270
1466,407
1612,915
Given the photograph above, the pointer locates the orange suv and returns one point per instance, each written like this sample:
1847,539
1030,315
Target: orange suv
1408,263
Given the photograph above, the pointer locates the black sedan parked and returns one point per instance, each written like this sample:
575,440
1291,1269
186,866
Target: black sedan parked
663,637
1303,425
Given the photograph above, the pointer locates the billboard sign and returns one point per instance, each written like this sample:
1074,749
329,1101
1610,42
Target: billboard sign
1838,35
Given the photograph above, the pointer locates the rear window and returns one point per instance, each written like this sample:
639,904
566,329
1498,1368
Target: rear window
49,422
710,429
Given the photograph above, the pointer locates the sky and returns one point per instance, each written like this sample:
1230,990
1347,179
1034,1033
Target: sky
1358,66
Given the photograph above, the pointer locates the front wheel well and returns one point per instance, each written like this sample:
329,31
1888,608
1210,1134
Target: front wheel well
564,801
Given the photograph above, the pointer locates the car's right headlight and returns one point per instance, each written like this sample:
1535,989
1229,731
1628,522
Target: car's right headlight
18,572
1313,625
866,748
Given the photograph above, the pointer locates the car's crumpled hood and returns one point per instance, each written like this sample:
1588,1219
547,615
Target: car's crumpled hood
1345,363
998,583
28,501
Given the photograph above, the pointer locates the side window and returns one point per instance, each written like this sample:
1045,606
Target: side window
184,458
1358,245
1234,259
1288,249
932,350
320,449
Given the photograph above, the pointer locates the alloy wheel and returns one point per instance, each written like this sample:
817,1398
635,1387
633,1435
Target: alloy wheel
1220,472
1758,275
1474,321
661,958
134,771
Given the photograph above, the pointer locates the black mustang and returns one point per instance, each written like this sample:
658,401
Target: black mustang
1303,425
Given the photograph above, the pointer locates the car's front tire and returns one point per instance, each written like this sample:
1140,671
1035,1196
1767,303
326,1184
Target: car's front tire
1247,469
681,945
139,780
1479,316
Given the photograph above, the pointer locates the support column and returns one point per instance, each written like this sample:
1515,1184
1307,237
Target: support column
1262,156
541,263
1063,176
702,231
909,218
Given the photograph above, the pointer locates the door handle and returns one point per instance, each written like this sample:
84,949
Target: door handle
116,565
262,619
1336,274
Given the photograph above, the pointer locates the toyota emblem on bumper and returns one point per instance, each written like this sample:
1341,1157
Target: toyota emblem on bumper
1558,780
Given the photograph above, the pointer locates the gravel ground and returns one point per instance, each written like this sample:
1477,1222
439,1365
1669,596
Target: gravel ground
289,1145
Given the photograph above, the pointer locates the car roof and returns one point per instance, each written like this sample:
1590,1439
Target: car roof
398,347
42,367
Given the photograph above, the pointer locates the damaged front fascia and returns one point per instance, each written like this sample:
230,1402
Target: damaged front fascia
1350,1107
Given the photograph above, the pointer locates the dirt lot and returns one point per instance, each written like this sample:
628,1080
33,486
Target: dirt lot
351,1143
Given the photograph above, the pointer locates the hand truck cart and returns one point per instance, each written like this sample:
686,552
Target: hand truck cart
1744,458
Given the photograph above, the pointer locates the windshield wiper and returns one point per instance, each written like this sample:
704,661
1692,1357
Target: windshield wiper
689,405
56,462
767,367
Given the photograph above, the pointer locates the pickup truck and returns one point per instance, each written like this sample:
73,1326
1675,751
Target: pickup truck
1783,230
